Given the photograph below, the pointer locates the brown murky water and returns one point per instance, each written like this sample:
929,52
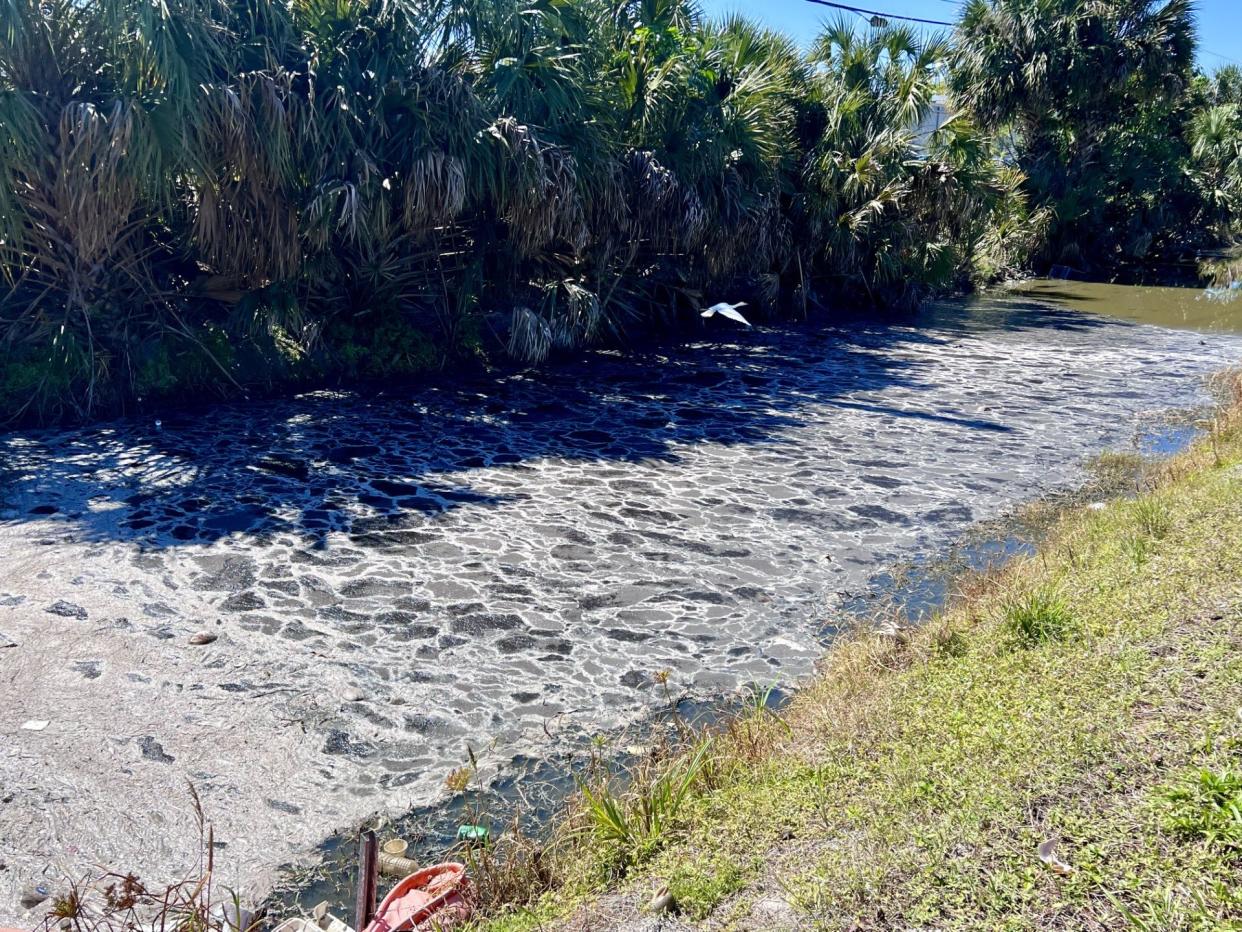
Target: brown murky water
1216,310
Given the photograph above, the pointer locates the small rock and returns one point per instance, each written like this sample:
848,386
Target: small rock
353,695
203,638
6,641
35,724
67,610
153,750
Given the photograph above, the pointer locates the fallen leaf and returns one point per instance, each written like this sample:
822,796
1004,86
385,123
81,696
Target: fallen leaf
661,901
1048,854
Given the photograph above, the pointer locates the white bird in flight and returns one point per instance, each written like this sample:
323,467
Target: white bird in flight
724,309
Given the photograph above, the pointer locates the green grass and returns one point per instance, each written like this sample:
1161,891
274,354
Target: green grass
1032,618
1207,805
1091,694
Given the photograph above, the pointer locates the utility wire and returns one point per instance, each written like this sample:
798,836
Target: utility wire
854,9
1219,55
939,22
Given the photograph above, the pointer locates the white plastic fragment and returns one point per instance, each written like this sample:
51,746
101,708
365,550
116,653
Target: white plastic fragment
35,724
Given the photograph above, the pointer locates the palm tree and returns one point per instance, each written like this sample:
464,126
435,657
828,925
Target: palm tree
874,87
103,103
1066,78
1216,146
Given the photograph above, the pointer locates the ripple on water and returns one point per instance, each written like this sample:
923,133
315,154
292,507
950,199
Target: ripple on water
521,555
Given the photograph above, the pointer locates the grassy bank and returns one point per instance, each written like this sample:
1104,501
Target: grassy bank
1089,697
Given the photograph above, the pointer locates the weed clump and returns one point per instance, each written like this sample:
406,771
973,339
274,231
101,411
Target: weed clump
1208,805
1138,548
1152,517
1037,617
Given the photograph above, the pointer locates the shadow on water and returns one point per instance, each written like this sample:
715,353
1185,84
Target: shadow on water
378,470
529,793
382,467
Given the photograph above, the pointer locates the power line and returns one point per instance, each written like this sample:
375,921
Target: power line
854,9
939,22
1219,55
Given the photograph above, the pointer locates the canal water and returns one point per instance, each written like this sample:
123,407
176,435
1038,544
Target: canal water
1214,310
501,566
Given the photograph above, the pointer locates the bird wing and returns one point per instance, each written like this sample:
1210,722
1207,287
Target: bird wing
734,314
709,312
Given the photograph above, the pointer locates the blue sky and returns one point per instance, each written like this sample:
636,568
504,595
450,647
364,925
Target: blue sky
1220,21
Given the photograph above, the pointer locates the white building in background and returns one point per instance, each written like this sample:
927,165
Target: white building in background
937,115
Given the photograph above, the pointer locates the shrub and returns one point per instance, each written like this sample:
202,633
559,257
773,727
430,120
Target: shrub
374,184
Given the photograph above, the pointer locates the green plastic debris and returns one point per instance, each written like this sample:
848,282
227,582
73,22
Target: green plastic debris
475,833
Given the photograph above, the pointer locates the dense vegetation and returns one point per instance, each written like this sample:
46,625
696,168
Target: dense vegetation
213,196
1135,154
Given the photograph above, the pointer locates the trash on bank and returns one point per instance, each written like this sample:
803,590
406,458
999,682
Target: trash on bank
33,896
233,916
393,861
1048,854
661,901
436,897
321,921
476,834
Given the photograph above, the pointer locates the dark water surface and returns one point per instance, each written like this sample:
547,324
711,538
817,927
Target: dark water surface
502,562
